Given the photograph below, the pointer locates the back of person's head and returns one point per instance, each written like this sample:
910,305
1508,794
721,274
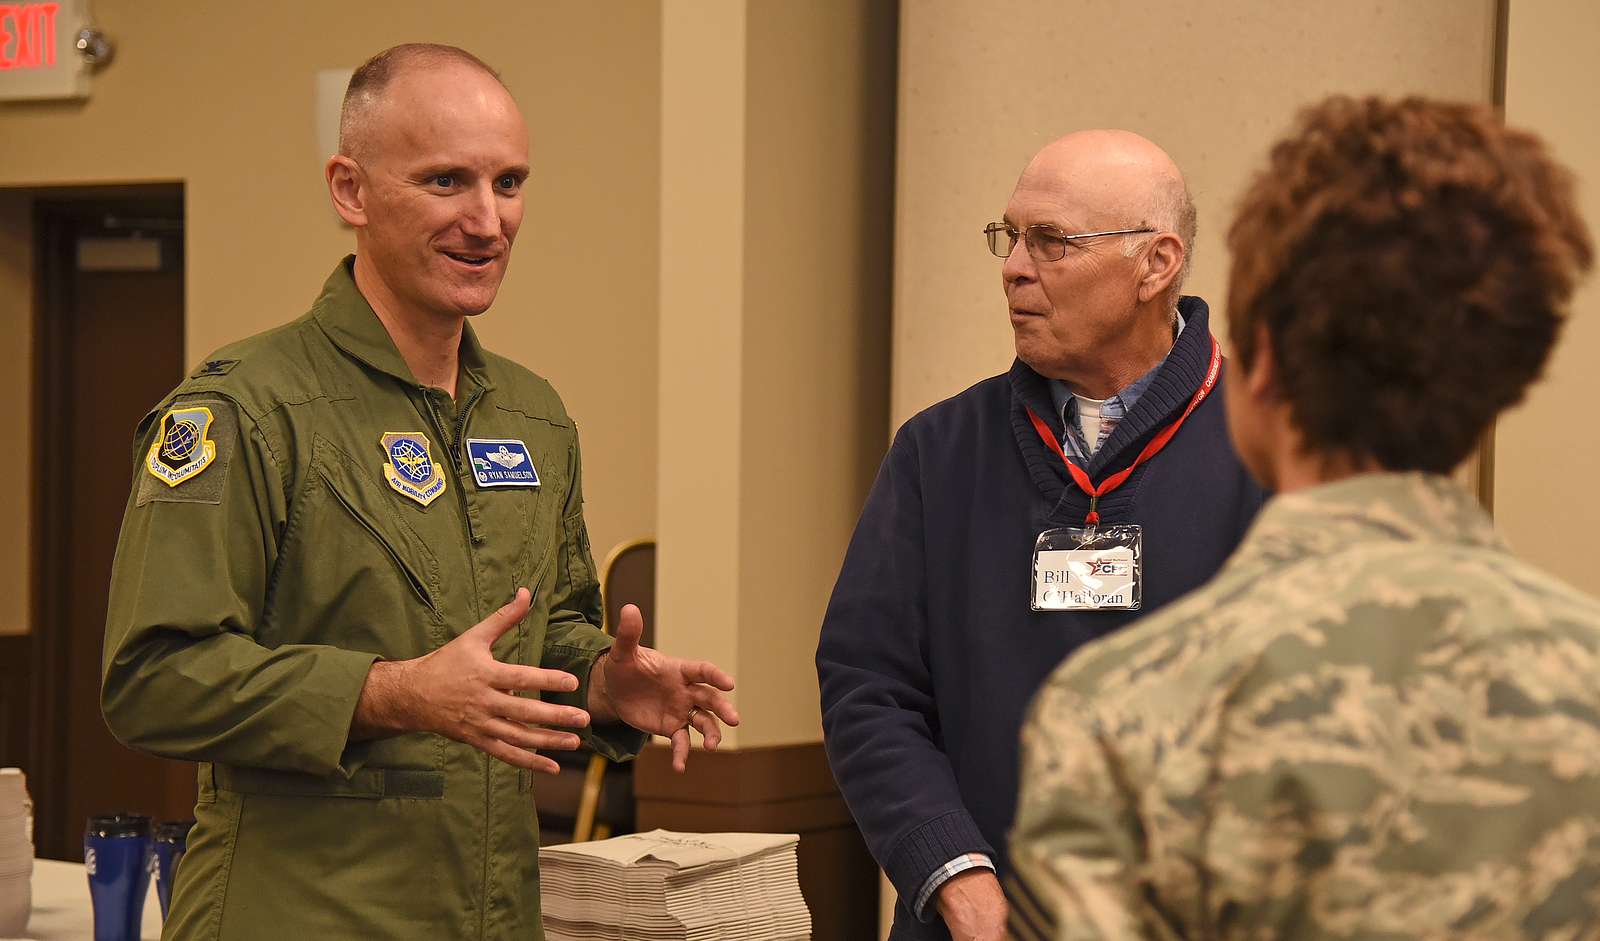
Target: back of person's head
1409,263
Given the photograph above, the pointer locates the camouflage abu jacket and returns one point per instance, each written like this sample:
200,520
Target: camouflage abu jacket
1374,723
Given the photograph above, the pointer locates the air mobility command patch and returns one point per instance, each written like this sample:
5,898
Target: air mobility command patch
410,469
190,438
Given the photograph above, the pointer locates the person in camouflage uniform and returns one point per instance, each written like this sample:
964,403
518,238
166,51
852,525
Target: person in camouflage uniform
1375,722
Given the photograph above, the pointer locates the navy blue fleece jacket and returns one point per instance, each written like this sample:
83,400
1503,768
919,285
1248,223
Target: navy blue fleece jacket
929,651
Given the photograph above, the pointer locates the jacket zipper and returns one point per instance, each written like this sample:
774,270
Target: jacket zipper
454,447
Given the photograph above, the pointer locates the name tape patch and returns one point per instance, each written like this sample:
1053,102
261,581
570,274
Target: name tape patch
501,462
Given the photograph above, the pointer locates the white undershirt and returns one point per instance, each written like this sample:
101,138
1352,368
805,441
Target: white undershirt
1089,420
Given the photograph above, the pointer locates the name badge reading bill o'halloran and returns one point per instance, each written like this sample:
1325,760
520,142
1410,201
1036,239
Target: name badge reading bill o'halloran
1092,568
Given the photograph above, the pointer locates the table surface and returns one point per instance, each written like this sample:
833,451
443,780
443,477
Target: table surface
61,909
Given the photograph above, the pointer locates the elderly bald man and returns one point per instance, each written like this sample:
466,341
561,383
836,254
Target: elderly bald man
354,580
1034,512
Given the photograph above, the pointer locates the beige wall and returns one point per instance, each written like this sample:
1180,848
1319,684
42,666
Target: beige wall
985,85
16,384
221,97
1547,457
777,163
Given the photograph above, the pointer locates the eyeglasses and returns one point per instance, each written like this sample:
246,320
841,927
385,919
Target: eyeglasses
1045,242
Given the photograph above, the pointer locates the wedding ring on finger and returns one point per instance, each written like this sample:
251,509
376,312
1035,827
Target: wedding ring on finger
693,711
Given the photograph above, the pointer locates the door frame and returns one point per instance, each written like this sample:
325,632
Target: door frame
58,214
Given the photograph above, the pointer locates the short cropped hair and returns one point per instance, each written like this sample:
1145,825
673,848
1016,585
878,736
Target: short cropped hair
1171,209
1411,262
373,76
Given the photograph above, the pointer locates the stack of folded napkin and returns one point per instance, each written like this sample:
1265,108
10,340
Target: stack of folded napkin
674,887
16,853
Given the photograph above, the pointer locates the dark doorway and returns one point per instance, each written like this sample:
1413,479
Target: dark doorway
108,345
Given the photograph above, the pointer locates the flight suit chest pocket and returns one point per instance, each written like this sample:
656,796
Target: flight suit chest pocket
521,515
366,569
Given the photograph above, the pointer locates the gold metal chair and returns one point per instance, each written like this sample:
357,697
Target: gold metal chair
628,576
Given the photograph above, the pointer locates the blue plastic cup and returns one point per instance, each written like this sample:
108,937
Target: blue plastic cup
116,853
171,840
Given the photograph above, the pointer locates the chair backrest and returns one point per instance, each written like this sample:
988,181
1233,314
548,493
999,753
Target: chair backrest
629,577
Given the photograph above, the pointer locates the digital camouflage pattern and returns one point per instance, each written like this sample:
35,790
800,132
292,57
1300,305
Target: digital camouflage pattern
1374,723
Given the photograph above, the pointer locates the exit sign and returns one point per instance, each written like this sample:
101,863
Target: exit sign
38,50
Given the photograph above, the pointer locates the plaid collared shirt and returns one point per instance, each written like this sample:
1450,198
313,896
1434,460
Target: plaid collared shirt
944,874
1112,411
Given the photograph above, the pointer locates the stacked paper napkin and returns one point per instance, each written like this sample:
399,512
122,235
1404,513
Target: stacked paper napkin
16,853
674,887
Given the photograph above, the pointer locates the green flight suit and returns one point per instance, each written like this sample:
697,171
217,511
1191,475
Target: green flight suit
250,597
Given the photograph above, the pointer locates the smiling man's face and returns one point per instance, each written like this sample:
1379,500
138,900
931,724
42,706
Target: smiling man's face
442,181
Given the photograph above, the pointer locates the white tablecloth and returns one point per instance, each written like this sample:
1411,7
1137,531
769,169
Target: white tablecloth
61,909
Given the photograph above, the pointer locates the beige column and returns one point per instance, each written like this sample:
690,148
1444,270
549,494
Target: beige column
776,161
1547,457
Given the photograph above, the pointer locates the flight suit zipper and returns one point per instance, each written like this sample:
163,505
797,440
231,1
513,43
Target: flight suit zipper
453,445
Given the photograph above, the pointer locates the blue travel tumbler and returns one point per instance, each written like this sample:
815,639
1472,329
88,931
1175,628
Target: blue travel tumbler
116,852
171,840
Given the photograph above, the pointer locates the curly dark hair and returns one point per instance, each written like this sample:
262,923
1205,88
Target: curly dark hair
1411,262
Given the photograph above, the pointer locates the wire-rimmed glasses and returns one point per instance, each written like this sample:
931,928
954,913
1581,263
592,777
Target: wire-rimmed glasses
1045,242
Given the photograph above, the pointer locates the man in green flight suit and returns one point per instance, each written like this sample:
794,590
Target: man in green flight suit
354,580
1375,722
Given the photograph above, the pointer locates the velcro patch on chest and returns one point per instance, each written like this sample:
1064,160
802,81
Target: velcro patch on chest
410,468
501,462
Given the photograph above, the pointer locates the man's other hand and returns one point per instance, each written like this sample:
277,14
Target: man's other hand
462,692
660,694
973,906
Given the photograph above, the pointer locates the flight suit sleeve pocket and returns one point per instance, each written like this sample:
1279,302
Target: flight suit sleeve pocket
575,544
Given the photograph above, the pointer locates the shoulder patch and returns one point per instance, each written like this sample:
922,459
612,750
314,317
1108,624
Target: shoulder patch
190,438
214,367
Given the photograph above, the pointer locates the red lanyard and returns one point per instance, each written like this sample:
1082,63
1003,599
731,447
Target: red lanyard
1150,450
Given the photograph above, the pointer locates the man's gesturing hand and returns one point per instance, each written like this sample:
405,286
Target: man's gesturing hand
656,693
462,692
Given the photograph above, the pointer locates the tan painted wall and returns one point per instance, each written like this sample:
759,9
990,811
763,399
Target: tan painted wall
818,219
1547,457
777,141
220,96
983,86
16,430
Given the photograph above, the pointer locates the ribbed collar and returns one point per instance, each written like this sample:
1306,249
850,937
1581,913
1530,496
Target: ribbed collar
1168,394
1366,508
353,326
